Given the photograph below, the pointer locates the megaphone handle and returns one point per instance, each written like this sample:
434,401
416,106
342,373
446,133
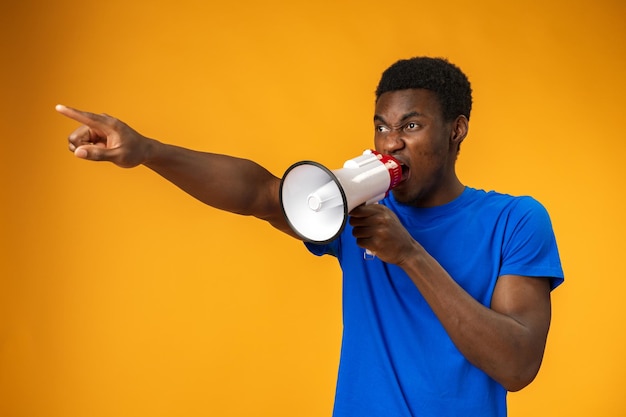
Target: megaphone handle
376,199
368,255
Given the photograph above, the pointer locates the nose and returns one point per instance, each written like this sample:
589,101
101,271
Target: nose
393,141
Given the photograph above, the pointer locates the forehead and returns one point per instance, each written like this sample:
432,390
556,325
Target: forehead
395,104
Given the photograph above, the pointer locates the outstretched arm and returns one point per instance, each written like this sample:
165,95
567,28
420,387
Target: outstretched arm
237,185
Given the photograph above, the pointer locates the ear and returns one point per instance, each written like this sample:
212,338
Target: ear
459,131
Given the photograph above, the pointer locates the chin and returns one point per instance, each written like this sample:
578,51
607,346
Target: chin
403,198
410,196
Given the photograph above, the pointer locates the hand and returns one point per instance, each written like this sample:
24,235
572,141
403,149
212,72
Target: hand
378,229
105,138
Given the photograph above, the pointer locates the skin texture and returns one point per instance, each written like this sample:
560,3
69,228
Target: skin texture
506,341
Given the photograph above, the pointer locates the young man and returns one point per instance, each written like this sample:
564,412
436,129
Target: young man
454,310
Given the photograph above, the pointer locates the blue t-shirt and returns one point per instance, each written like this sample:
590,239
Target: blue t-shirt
396,357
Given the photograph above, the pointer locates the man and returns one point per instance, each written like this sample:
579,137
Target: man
454,310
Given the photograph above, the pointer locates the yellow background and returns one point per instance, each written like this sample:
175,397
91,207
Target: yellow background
121,296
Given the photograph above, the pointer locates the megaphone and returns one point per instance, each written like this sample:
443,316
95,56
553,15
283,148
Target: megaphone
316,201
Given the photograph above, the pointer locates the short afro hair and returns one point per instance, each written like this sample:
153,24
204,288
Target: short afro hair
446,80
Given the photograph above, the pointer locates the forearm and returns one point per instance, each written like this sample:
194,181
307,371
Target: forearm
507,349
224,182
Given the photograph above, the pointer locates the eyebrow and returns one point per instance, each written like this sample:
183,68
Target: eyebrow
379,118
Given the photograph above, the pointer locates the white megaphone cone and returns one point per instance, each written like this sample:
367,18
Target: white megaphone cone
316,201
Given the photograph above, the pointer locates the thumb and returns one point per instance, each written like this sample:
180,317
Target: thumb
93,153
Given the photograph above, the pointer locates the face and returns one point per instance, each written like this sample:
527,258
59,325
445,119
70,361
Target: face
409,125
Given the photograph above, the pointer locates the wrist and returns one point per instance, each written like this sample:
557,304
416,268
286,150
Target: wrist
152,152
412,257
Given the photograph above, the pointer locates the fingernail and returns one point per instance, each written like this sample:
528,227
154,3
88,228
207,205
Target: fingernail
80,153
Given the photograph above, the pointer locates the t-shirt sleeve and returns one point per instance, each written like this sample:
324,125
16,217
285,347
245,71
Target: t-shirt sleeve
331,248
530,247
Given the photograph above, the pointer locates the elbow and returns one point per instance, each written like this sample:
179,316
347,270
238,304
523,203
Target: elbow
516,381
517,385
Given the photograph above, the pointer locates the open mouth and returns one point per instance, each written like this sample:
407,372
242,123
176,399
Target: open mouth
405,172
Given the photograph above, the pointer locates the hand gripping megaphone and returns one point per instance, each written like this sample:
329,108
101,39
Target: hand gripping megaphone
316,201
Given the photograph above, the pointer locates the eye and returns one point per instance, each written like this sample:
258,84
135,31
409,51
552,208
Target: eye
382,128
411,126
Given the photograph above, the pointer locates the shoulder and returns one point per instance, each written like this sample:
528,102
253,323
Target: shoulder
495,198
511,207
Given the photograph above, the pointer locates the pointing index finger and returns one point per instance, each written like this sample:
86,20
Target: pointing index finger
86,118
